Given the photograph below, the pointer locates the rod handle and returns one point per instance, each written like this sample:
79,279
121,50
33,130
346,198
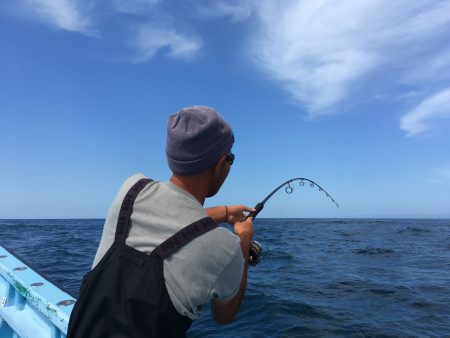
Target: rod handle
258,208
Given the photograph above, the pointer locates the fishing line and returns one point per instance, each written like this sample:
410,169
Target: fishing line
257,253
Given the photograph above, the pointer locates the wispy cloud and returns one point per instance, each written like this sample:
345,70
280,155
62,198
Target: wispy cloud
64,14
153,28
322,51
420,119
136,7
150,39
435,68
236,10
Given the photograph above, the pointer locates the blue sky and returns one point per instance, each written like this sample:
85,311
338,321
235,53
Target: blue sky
352,94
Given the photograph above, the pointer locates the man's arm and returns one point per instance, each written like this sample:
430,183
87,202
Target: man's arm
224,311
228,214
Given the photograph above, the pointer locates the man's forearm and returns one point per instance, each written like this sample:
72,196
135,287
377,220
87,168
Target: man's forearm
224,312
245,247
218,214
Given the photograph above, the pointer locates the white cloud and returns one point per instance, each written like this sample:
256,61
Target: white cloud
420,119
157,29
150,39
236,10
321,51
434,69
152,27
137,7
64,14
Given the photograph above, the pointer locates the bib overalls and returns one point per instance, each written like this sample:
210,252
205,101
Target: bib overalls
125,295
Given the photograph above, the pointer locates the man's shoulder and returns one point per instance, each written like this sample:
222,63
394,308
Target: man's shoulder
128,183
131,180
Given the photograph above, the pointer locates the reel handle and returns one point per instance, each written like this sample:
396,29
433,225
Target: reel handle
258,208
255,255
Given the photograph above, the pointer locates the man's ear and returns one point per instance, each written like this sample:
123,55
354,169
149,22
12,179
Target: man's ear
219,165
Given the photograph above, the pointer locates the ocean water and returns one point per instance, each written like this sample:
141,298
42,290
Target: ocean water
319,278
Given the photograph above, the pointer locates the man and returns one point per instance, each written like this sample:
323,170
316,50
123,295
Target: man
162,256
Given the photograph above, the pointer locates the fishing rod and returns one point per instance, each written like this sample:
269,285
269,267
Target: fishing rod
256,248
289,190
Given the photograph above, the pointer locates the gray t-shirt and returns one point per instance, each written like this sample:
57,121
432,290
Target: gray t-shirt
208,267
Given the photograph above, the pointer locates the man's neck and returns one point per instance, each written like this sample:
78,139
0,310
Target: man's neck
193,184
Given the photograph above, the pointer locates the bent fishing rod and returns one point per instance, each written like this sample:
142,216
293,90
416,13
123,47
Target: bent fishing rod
256,251
289,190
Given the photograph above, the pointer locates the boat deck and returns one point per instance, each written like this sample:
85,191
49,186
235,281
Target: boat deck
30,305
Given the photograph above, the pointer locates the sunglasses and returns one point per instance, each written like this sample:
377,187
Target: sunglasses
230,158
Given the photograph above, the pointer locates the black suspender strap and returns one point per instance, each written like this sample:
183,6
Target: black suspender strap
184,236
171,244
123,222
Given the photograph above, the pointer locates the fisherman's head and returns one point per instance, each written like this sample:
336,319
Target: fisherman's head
199,142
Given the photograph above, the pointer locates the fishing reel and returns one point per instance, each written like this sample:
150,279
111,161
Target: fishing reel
255,254
256,249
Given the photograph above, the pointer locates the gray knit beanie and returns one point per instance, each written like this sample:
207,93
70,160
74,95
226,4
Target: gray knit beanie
197,137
